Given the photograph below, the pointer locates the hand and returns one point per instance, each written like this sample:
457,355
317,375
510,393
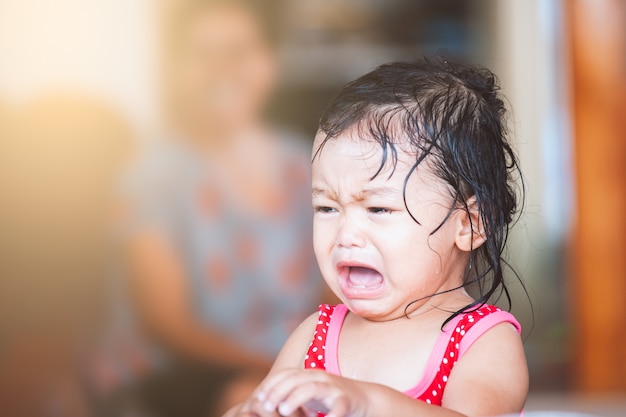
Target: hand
244,410
296,392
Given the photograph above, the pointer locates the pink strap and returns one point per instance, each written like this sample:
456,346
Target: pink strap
332,339
485,324
458,336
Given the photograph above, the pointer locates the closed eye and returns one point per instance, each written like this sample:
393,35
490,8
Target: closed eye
379,210
324,209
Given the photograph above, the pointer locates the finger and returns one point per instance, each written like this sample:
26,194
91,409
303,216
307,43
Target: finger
268,383
260,409
278,388
253,408
340,408
311,395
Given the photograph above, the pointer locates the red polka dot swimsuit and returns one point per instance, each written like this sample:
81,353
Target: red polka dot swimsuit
456,338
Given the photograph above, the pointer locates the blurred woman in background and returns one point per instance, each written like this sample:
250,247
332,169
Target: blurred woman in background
219,233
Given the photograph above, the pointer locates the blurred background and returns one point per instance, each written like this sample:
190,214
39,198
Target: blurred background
154,216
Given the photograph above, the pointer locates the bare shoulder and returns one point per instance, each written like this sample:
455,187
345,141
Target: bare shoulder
492,377
293,351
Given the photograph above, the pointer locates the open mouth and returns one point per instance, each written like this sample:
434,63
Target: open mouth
360,281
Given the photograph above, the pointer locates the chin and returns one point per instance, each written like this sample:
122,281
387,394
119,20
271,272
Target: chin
372,309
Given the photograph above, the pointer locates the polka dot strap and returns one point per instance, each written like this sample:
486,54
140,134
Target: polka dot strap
315,357
433,394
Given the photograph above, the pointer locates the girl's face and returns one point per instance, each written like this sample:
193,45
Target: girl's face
372,254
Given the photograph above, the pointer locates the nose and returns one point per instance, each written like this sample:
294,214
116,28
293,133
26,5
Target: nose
350,233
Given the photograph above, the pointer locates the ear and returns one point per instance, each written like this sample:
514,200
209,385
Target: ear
470,233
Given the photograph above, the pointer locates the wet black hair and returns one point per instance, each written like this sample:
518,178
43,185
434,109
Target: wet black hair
451,115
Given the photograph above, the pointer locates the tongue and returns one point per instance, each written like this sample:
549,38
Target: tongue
364,277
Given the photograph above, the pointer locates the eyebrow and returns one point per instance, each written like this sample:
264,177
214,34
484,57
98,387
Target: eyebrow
323,192
380,191
361,195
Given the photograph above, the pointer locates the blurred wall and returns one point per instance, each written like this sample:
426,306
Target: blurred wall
530,55
103,48
563,67
597,35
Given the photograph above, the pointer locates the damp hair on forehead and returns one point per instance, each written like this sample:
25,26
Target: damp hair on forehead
451,118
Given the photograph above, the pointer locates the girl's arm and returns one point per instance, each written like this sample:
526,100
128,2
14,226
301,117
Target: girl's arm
490,379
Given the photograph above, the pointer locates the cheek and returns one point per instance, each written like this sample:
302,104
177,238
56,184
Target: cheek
323,244
322,247
408,248
319,241
433,216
